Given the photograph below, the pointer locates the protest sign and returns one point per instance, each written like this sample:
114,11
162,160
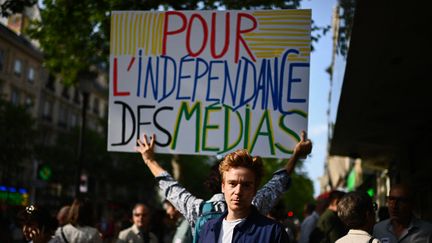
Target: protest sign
209,82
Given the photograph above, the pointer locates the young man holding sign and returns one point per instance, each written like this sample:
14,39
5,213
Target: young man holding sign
191,206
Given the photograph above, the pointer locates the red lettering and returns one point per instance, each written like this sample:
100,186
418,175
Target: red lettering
188,35
115,81
239,38
213,36
167,32
131,63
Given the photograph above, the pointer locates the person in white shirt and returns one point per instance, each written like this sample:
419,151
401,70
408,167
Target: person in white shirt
81,224
357,211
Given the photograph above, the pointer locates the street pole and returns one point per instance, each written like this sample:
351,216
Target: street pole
80,157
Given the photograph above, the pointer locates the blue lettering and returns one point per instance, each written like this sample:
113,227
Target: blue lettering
210,78
198,75
166,94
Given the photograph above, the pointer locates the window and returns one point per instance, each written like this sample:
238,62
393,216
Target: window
29,102
15,97
76,97
31,75
62,116
51,83
65,92
73,120
17,67
47,110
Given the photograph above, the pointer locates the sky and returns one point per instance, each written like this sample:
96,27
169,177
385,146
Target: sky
319,88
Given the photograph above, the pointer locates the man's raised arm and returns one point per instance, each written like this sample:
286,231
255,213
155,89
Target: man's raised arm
182,199
280,182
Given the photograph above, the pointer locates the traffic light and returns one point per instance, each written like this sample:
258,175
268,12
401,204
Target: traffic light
290,214
44,172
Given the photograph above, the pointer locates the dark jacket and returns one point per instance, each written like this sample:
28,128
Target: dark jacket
256,228
330,226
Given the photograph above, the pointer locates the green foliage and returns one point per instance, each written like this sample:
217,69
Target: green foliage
194,171
74,35
300,193
346,15
17,136
301,190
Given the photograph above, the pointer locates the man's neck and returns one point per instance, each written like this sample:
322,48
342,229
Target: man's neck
141,229
401,223
238,215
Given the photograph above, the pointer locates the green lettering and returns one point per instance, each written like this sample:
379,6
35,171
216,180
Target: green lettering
247,128
269,133
207,126
188,113
227,129
290,132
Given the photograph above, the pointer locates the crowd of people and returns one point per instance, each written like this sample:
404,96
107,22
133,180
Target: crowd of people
243,211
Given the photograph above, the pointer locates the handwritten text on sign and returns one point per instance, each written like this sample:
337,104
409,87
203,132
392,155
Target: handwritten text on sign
209,82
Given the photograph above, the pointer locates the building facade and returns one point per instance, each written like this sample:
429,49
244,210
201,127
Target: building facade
56,108
380,116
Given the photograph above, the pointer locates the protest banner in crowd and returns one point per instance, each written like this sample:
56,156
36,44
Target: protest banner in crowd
209,82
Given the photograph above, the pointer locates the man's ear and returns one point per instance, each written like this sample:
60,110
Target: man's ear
222,187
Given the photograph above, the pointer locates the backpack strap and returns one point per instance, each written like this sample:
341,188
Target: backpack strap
207,207
63,235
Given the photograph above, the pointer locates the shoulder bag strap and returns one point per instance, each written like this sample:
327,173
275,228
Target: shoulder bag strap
63,235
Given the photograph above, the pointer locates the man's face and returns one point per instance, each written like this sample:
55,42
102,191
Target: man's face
141,216
399,204
239,188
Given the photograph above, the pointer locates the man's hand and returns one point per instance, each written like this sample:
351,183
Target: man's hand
145,148
301,150
304,147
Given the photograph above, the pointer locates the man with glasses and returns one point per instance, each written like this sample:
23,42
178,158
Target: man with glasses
138,232
402,226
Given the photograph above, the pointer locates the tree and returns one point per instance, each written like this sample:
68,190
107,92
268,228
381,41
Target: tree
74,35
346,9
301,190
10,7
17,136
